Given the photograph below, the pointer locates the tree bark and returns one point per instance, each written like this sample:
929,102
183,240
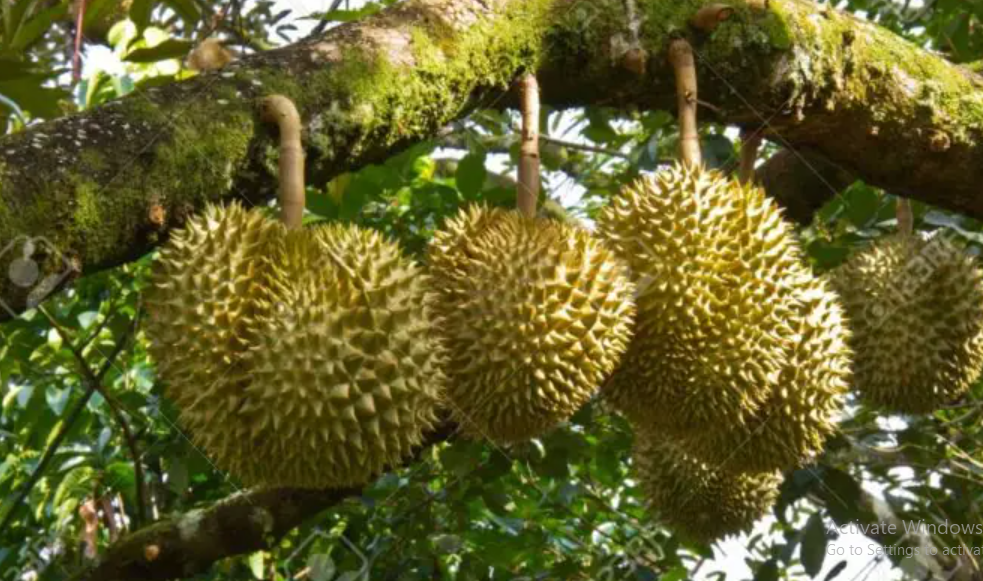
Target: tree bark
189,544
802,182
100,188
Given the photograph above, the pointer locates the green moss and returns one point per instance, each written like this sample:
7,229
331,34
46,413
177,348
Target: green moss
87,215
861,65
94,160
370,103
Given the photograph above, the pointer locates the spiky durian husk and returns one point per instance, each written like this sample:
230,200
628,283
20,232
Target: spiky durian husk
299,358
344,378
201,300
792,426
698,501
915,306
535,315
719,273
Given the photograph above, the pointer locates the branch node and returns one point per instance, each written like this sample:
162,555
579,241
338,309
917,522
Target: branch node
157,215
635,60
708,17
939,141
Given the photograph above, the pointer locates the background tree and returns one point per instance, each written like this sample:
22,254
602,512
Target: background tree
407,113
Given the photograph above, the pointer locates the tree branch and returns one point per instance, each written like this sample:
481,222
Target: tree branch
188,544
105,186
94,380
802,182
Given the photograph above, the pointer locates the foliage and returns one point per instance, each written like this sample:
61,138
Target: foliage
562,507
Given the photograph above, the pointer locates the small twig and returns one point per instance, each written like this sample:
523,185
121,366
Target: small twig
582,147
94,381
749,155
282,111
708,105
699,565
323,25
110,313
528,192
684,65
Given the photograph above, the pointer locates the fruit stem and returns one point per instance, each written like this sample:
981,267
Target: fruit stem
282,111
906,218
683,63
750,144
528,192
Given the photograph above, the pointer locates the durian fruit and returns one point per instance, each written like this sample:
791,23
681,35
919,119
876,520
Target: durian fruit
719,275
535,315
200,300
317,366
915,305
793,424
699,502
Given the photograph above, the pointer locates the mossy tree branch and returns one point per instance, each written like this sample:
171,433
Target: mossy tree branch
189,544
104,186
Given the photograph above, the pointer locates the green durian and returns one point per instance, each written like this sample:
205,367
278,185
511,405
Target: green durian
792,425
915,306
202,312
535,315
339,373
699,502
720,277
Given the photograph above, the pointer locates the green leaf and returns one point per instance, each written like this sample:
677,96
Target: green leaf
11,69
36,27
461,457
177,475
323,205
140,13
862,204
169,49
600,130
57,399
77,483
255,562
835,571
678,573
718,151
186,9
768,571
97,11
813,550
31,96
321,566
842,496
121,476
470,176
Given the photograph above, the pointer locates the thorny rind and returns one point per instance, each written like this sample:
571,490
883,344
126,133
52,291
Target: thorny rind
366,90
